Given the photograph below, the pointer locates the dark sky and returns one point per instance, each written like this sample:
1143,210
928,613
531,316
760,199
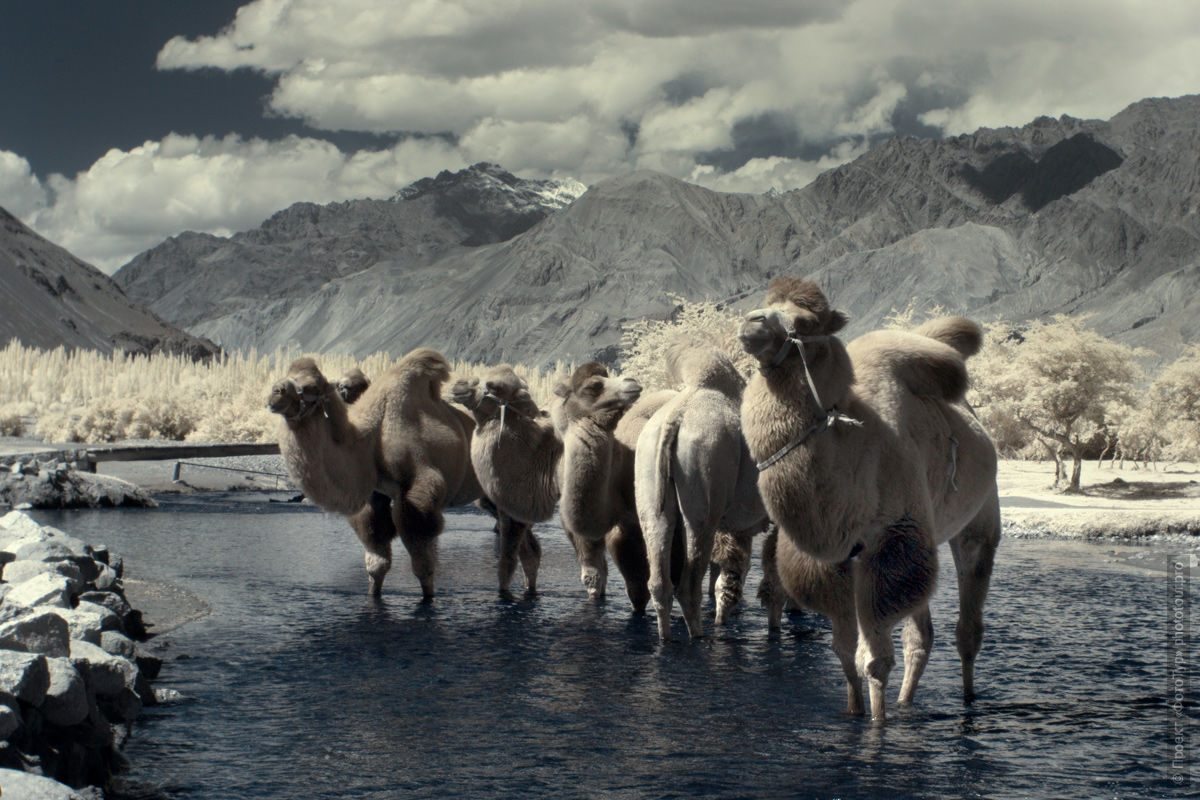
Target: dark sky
78,78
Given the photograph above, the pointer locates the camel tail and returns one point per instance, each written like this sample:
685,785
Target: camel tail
959,332
668,439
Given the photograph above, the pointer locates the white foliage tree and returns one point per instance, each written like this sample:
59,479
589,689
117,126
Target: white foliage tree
1057,380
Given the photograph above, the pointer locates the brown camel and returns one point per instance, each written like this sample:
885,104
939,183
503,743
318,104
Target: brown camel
515,451
694,477
391,462
351,386
869,458
599,419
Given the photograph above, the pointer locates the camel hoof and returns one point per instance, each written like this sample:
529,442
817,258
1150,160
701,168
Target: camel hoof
531,593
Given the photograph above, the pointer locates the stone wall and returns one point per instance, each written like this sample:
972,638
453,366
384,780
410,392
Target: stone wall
74,666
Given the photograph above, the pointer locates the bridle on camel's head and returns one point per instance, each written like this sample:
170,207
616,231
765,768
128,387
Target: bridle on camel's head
503,404
308,407
826,417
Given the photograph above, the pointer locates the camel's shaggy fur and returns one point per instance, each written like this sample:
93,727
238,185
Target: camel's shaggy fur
515,452
905,468
400,439
600,418
694,476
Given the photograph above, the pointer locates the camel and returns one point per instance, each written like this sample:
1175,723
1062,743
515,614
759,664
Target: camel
515,451
599,418
391,462
870,458
351,386
693,476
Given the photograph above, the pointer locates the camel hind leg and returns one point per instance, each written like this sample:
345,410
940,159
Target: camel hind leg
771,593
974,553
892,580
628,550
659,533
418,517
731,553
375,528
530,553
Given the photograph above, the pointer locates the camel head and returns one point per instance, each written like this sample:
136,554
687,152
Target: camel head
301,393
351,385
798,315
593,394
504,388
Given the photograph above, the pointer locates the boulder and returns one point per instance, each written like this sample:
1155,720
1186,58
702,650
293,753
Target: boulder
24,676
20,570
116,643
44,589
10,722
27,786
66,700
19,523
108,675
88,621
38,631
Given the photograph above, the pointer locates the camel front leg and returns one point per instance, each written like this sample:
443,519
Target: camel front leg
893,578
917,638
511,533
845,644
375,528
974,553
530,554
593,566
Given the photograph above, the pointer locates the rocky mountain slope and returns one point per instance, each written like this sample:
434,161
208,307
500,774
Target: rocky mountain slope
49,298
1061,215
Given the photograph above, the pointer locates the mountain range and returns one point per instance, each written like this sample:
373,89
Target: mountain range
49,298
1096,217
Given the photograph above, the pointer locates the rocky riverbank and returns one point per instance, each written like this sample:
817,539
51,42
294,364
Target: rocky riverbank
55,484
75,670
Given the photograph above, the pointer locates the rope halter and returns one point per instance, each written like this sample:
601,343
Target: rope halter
826,418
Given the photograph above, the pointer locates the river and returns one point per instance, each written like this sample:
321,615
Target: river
297,685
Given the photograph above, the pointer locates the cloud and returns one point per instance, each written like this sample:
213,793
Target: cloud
696,83
20,189
740,96
130,201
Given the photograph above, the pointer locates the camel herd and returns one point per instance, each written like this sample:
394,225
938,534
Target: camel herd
861,458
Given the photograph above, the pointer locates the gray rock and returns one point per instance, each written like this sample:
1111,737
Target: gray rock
165,696
88,621
44,589
107,675
10,722
38,631
106,579
22,570
110,600
18,523
24,676
118,644
66,700
27,786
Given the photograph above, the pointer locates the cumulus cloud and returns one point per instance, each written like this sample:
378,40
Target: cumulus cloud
23,193
130,201
741,96
680,80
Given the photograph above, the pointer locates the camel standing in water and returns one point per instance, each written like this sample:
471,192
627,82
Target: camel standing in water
515,452
599,419
869,458
391,462
694,477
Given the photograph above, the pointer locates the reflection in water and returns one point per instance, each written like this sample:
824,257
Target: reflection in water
299,685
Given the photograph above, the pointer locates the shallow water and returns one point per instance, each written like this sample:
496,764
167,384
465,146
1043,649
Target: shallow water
299,686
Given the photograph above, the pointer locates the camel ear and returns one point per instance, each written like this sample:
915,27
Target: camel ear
562,389
837,321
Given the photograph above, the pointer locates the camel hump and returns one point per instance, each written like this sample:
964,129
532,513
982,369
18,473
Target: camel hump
960,333
698,366
927,367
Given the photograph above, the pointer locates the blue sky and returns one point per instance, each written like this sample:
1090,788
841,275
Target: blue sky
124,122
